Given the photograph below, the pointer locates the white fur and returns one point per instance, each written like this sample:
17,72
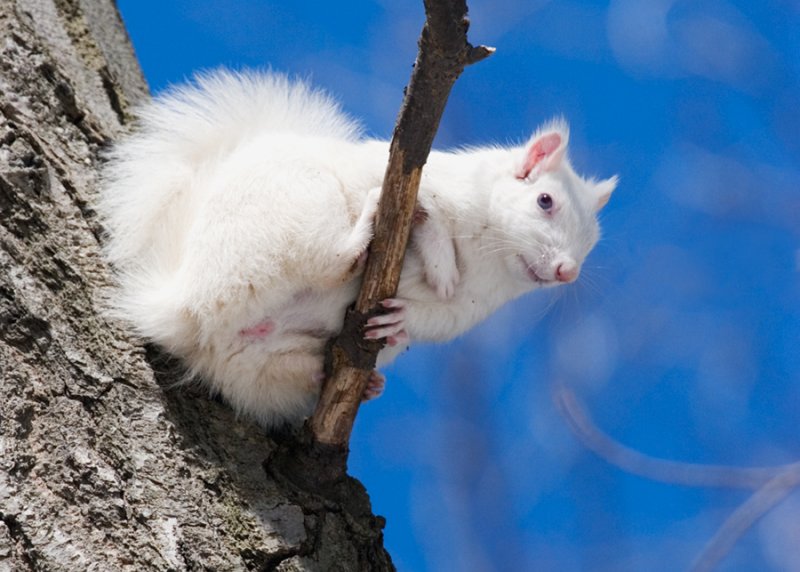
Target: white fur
242,205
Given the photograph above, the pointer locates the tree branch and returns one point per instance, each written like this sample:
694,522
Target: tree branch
674,472
772,484
745,516
443,54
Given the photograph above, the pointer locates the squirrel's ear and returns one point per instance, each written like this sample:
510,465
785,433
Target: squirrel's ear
544,152
603,190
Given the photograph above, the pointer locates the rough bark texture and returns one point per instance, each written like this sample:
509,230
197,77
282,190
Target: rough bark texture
443,54
104,464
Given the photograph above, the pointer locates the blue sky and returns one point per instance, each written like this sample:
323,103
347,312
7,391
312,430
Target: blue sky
682,336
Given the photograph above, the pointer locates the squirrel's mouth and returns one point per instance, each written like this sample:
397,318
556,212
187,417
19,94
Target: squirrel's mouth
531,271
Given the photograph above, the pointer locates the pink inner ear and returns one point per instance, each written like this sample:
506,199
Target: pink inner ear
542,154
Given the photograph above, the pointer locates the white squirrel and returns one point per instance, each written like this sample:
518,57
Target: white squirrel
239,213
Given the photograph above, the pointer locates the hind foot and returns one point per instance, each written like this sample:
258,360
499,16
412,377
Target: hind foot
375,384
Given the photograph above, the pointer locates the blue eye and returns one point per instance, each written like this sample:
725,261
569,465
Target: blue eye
545,201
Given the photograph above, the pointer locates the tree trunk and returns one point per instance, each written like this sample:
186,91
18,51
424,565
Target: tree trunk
104,464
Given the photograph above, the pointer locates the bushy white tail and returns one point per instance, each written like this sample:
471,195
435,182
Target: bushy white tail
183,132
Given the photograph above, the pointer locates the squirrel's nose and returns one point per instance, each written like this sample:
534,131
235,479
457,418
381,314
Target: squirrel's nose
566,272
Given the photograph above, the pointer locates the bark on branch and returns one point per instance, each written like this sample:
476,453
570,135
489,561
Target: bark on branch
443,54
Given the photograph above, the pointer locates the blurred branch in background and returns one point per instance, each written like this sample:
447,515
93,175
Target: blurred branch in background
773,484
734,527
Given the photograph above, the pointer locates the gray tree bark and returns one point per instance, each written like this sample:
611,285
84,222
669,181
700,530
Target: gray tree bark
104,463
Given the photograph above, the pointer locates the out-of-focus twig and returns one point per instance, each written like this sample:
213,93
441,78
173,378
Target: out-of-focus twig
745,516
675,472
772,484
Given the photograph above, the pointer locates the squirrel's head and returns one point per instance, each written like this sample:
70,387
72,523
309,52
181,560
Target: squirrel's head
547,213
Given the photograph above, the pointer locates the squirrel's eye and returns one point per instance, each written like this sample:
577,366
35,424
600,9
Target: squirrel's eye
545,201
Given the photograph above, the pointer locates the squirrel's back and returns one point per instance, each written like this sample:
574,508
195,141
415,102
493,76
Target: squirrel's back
182,134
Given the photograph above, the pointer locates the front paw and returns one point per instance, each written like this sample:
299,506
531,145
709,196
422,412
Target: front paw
443,280
356,268
364,228
355,249
438,253
390,325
